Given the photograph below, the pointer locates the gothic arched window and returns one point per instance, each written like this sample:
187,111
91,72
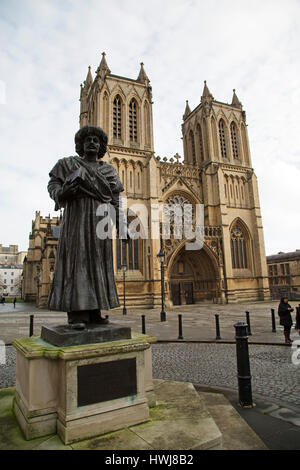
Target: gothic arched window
133,120
147,124
234,141
105,112
193,149
238,241
129,253
117,117
199,131
222,138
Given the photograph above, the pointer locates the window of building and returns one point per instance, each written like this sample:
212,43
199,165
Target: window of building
222,138
105,113
238,248
193,148
282,269
287,269
12,274
234,141
128,253
123,176
275,270
133,120
130,178
117,117
225,189
11,281
270,270
180,267
147,124
11,289
138,180
199,130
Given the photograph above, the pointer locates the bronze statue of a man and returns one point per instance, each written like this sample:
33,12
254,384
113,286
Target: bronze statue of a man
83,282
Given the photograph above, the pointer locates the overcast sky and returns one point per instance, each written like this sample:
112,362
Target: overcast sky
47,46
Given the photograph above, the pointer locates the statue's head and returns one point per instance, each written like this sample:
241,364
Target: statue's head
86,131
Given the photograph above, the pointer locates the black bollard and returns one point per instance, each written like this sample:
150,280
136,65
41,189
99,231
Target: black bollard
243,365
248,323
273,320
180,327
143,325
218,335
31,325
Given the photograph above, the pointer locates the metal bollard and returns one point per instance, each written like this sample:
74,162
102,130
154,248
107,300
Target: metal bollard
31,325
248,323
218,334
143,325
180,327
243,365
273,320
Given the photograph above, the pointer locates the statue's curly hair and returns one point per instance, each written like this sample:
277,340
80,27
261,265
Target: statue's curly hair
90,130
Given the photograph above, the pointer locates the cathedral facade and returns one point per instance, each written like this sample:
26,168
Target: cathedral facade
216,172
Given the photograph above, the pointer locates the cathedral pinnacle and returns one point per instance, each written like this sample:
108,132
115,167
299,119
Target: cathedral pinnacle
89,79
103,68
187,110
206,93
143,78
235,101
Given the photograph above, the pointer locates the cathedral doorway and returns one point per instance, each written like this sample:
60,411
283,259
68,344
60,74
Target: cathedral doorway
193,278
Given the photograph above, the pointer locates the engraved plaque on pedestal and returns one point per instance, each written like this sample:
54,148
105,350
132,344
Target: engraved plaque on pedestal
106,381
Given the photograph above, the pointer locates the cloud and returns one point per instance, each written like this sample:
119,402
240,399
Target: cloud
48,45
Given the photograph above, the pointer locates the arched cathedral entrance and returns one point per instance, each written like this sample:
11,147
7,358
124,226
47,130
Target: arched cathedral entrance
193,278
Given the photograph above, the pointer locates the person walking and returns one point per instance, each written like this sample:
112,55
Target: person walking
284,312
297,326
15,299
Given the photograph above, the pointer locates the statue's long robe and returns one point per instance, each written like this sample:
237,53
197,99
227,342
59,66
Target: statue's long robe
84,274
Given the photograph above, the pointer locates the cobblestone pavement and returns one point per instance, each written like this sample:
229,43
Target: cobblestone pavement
8,370
274,376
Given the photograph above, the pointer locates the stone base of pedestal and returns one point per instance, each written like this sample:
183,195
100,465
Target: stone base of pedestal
65,335
82,391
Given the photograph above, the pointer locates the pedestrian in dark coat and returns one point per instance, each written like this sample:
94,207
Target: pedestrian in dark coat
284,312
15,299
297,326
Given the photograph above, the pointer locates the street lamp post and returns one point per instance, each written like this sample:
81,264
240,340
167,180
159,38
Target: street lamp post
161,257
124,268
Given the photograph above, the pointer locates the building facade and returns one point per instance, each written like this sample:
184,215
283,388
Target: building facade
11,276
11,271
284,275
11,255
40,260
216,173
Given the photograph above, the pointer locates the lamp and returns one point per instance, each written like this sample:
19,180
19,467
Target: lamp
161,257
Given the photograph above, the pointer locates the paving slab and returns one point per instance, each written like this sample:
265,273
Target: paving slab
237,434
198,321
179,421
287,415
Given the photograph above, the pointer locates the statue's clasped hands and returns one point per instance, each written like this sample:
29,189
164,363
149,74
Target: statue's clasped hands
69,189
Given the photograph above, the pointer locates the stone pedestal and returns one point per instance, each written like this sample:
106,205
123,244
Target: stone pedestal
82,391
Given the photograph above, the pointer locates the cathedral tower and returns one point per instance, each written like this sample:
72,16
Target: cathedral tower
216,141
